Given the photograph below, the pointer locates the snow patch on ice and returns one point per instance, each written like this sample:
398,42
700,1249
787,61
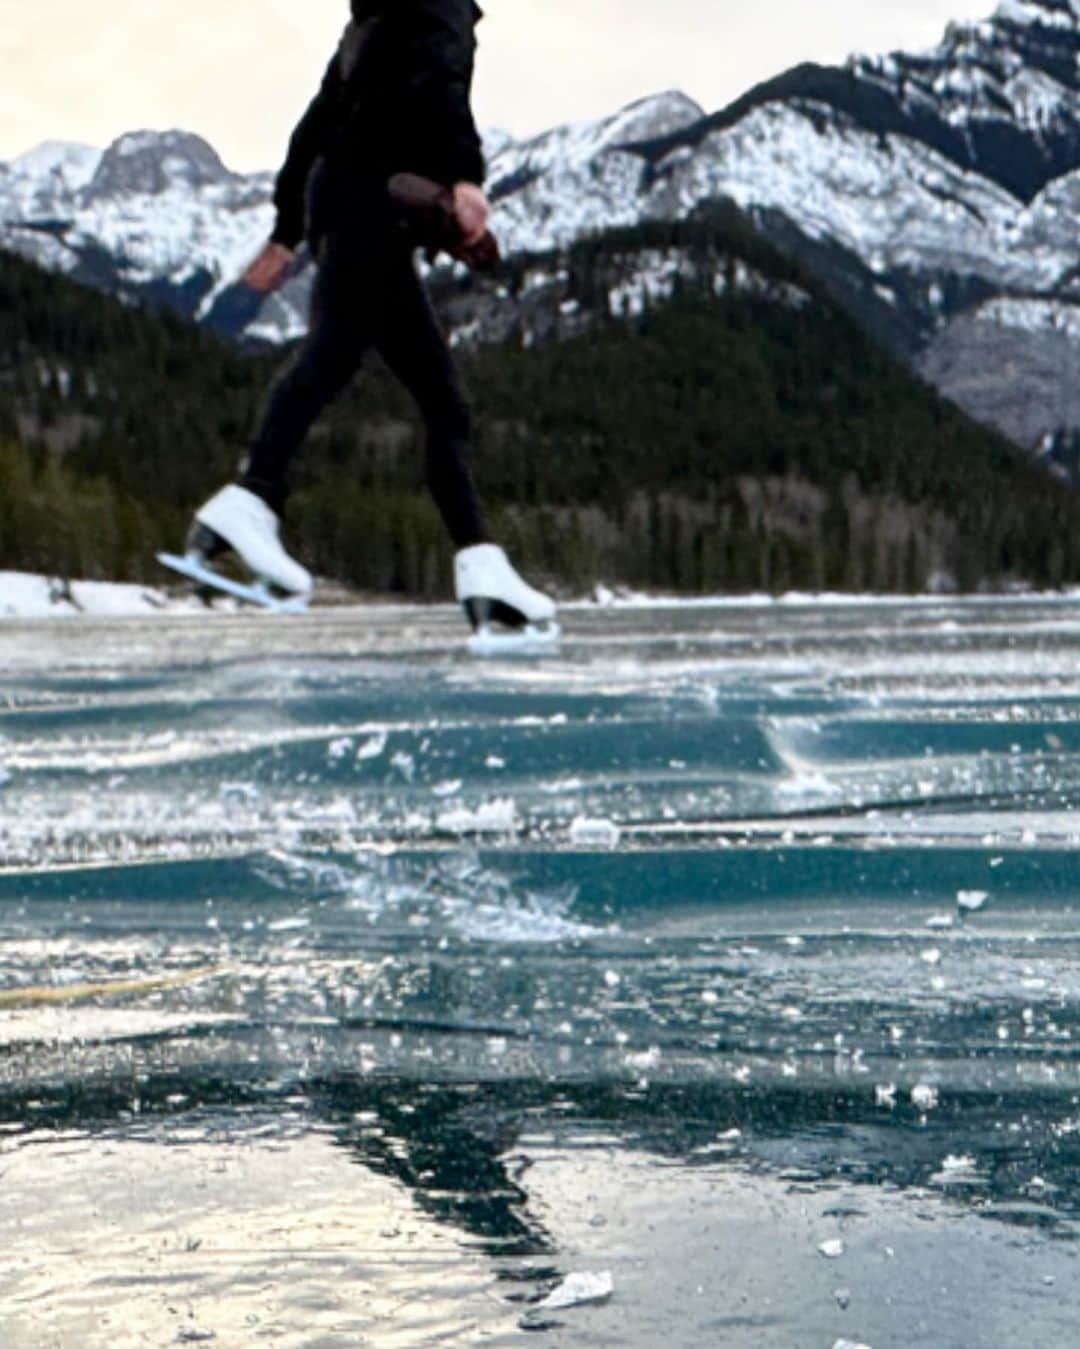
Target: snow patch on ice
578,1289
24,595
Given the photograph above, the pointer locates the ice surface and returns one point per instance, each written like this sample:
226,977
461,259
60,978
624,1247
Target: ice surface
500,1054
528,641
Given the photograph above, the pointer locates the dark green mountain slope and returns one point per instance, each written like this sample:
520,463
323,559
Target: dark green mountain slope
728,441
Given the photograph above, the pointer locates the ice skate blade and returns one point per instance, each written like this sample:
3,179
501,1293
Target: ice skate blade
531,640
258,594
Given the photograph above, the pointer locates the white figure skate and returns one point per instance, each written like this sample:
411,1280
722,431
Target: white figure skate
506,614
238,519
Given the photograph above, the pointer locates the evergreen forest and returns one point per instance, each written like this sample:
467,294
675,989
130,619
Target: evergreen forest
708,443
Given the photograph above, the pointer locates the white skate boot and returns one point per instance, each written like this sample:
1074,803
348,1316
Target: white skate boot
238,519
491,592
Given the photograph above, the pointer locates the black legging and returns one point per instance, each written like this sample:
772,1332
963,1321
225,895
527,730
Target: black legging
367,295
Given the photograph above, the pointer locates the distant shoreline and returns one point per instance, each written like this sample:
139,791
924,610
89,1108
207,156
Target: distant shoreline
26,595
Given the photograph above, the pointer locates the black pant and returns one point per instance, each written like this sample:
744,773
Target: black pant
367,295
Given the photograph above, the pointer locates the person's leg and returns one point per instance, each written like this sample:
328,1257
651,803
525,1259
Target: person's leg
245,516
343,310
411,343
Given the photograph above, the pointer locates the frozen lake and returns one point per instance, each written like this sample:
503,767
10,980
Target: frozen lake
354,991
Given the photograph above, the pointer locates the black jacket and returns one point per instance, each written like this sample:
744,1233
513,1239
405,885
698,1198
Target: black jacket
395,98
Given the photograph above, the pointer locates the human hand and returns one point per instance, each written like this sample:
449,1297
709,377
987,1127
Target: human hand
473,210
269,268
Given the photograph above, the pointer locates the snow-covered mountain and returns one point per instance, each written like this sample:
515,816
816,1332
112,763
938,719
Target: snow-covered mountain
157,214
935,193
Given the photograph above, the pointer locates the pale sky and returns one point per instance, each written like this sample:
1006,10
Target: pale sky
240,72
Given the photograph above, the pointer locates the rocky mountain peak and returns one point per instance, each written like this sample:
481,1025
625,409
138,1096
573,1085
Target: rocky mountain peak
999,95
67,160
657,115
149,163
976,68
1041,13
647,119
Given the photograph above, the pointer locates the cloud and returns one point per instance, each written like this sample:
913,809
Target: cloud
240,71
549,59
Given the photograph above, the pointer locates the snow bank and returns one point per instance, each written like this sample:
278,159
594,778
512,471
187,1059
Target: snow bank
23,595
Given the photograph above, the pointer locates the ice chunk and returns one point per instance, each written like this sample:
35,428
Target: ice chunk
924,1097
373,747
594,833
832,1249
289,924
971,901
578,1289
957,1171
405,765
491,817
850,1344
646,1061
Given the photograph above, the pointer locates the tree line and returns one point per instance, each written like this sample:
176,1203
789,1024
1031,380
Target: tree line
712,443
